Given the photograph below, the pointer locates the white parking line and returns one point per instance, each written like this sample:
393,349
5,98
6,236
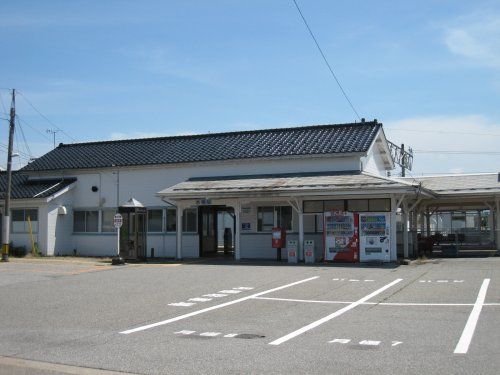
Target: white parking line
210,334
230,291
464,342
199,299
370,342
182,304
215,295
197,312
372,303
333,315
340,341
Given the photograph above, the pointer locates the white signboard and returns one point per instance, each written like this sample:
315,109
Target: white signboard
118,221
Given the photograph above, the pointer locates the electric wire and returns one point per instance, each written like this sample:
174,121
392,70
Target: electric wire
26,146
45,117
326,60
443,132
33,128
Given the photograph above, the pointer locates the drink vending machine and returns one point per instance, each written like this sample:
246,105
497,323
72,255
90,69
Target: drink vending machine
341,236
375,235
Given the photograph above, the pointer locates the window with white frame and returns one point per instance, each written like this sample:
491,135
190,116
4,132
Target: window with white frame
171,220
20,223
190,220
155,220
274,216
85,221
108,221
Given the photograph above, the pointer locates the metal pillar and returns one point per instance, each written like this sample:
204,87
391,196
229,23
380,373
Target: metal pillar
237,232
405,230
301,236
393,229
498,223
178,243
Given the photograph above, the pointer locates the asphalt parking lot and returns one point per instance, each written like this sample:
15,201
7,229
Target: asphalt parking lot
64,317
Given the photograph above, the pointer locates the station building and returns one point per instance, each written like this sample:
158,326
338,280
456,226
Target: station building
197,195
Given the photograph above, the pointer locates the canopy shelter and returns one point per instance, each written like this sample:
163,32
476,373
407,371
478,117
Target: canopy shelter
291,188
463,211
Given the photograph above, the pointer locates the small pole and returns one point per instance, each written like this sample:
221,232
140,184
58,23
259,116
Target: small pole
6,217
403,160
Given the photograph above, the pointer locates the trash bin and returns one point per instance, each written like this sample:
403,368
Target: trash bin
309,251
292,250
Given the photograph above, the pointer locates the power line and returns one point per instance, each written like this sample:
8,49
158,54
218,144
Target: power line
33,128
24,138
444,132
457,152
45,117
325,59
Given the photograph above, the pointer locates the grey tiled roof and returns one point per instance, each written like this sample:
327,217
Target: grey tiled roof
307,140
24,187
481,183
320,182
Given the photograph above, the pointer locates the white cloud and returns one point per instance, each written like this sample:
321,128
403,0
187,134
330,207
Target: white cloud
476,37
448,133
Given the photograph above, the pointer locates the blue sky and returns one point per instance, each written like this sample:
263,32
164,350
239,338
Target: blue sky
429,70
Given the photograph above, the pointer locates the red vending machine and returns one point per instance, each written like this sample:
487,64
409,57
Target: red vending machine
341,236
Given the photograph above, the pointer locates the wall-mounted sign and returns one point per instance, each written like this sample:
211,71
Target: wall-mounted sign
204,202
246,226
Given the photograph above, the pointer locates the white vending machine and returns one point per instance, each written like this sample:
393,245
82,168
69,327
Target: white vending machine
374,236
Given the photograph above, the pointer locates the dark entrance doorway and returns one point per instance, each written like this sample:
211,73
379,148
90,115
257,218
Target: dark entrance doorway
216,227
133,230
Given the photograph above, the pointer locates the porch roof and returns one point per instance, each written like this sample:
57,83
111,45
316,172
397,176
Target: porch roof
317,183
479,184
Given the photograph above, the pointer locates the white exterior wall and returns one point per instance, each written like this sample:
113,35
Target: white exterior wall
142,183
373,162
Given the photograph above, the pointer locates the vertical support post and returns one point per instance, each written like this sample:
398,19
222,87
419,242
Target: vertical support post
491,224
6,217
301,235
393,229
178,227
498,223
237,232
405,230
428,221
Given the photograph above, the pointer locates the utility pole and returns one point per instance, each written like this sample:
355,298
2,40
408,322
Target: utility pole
6,216
403,159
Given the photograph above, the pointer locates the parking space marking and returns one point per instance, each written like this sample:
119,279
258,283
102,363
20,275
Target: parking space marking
396,343
215,295
333,315
340,341
464,342
230,291
200,299
182,304
441,281
197,312
375,303
231,335
210,334
184,332
244,288
370,342
353,280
